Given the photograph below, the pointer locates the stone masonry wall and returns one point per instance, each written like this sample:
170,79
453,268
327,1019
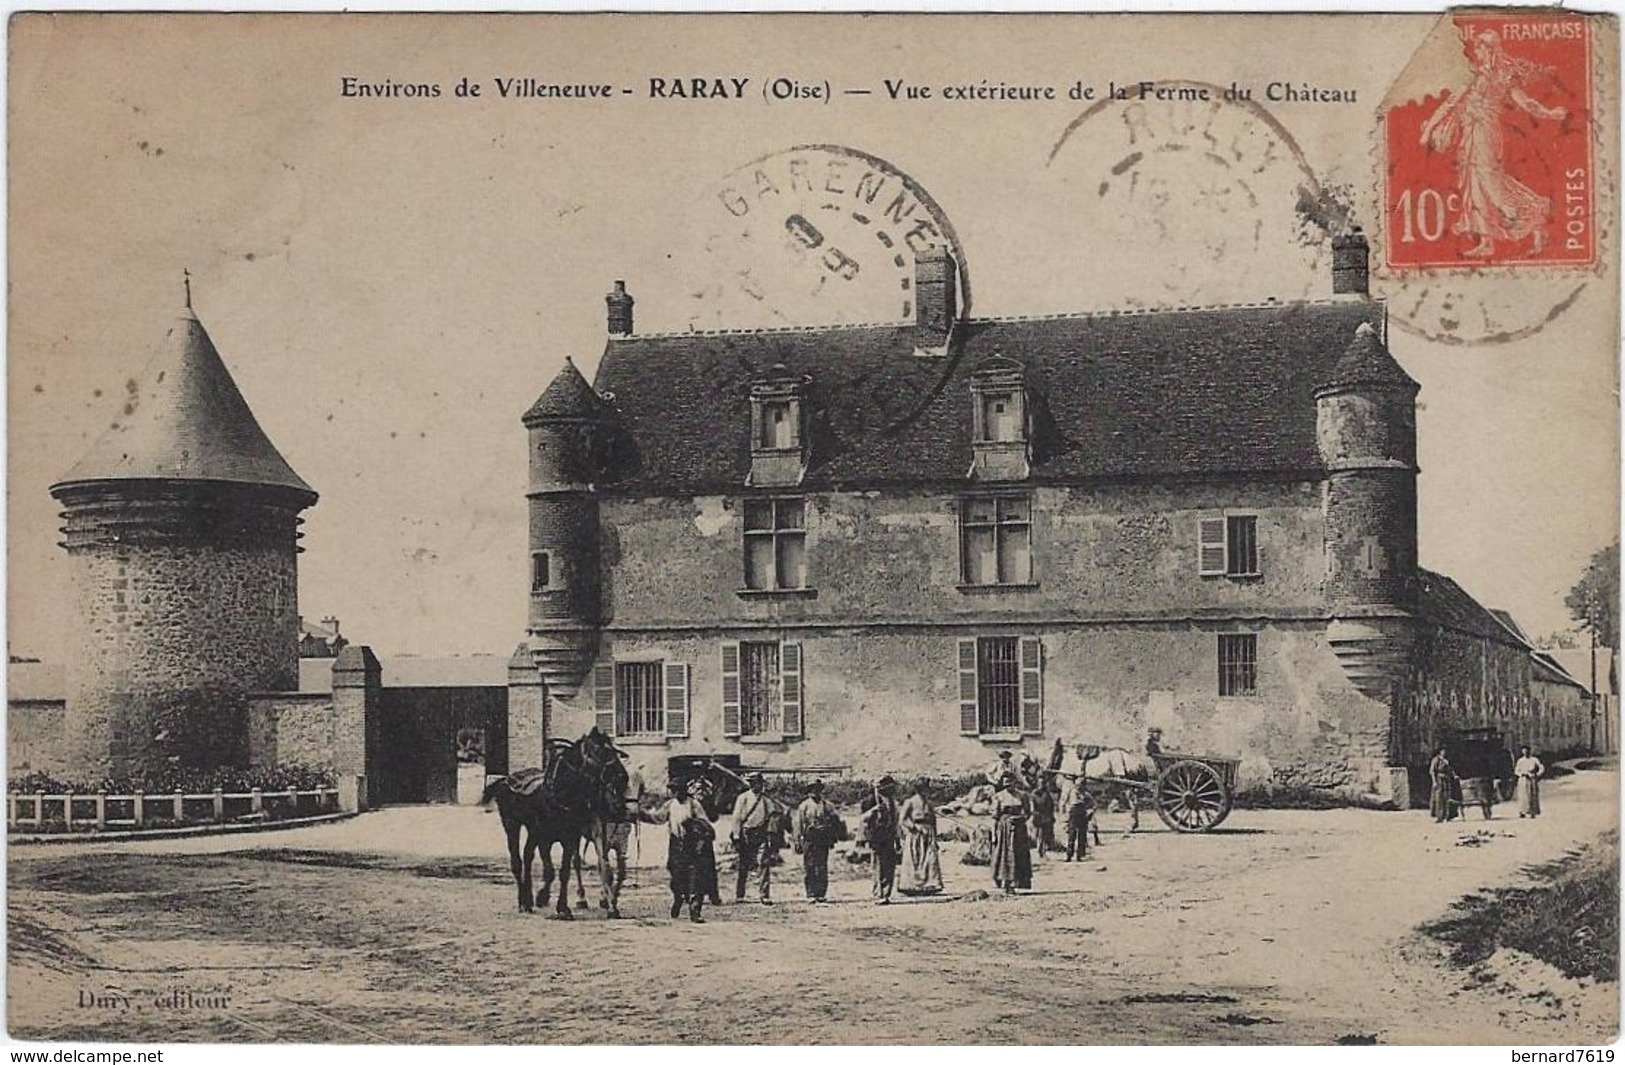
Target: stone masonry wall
888,700
159,619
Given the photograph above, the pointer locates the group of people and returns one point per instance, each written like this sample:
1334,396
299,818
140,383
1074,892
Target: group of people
1446,797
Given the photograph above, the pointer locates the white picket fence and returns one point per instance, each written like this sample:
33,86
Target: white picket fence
139,811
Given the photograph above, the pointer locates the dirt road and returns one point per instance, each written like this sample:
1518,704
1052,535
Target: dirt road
400,926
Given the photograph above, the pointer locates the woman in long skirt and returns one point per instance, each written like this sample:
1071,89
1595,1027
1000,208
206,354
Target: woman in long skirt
1444,782
922,867
1012,854
1528,770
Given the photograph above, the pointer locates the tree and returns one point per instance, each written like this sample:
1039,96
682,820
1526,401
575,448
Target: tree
1594,599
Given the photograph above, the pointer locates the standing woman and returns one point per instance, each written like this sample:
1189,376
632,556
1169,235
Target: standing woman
1444,786
922,872
1528,770
1012,854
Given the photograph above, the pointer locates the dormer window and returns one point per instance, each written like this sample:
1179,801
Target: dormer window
999,438
778,426
778,438
1001,418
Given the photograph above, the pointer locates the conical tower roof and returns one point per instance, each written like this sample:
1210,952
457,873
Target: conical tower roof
1367,361
187,421
569,396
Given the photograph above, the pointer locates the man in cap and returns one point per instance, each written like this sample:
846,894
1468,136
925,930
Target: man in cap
880,829
689,858
817,827
752,834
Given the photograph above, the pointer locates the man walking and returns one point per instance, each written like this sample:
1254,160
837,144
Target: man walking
752,813
880,830
816,828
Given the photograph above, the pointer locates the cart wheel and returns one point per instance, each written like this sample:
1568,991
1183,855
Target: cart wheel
1191,797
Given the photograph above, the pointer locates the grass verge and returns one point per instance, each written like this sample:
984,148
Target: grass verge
1569,918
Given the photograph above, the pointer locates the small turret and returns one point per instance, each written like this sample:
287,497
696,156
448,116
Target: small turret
567,429
1366,428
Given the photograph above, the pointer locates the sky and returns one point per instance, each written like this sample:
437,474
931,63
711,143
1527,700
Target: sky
393,281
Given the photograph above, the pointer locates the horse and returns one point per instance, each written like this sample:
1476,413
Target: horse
556,805
1118,763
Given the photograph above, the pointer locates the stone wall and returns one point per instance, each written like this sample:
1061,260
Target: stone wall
291,728
1098,554
887,700
1459,681
34,737
159,619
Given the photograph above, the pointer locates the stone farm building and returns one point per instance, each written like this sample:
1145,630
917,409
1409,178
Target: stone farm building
900,547
893,547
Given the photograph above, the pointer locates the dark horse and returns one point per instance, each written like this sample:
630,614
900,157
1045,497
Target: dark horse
581,782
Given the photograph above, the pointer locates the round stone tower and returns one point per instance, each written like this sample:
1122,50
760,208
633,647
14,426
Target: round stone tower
182,526
1366,426
567,428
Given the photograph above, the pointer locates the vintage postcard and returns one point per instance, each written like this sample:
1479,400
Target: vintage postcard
813,529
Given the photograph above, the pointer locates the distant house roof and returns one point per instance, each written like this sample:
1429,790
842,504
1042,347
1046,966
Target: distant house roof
36,682
1206,391
187,421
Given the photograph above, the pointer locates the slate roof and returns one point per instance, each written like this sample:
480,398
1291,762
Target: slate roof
1366,361
186,420
1202,391
1447,603
569,396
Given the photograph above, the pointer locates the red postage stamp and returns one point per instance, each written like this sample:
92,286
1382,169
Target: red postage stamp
1493,165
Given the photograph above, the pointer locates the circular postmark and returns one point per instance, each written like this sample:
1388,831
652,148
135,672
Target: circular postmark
818,234
1213,181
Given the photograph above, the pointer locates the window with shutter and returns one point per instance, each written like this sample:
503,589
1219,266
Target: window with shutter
792,687
1210,547
603,697
677,699
730,689
968,702
1032,686
640,699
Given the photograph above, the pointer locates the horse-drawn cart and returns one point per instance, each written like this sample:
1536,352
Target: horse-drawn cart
1191,792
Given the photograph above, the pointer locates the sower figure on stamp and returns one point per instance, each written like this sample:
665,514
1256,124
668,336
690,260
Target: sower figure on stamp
752,835
1494,204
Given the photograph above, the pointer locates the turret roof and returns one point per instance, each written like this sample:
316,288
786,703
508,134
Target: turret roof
186,420
569,396
1366,361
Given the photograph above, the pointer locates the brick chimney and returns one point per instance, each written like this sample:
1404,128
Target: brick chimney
936,292
1351,264
620,303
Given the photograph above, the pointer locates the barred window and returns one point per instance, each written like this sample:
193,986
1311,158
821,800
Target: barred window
998,685
775,544
1238,664
760,693
540,571
640,699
